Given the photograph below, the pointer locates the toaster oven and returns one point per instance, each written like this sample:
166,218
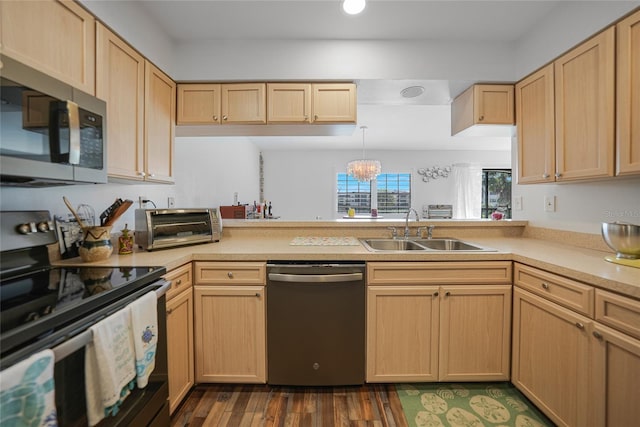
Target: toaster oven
168,228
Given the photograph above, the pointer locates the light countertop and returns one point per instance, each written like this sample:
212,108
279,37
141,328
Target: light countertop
586,265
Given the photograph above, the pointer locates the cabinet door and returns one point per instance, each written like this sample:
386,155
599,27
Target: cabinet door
475,333
56,37
536,127
402,333
493,104
120,82
230,334
616,375
550,358
289,103
628,99
199,104
159,126
180,347
244,103
584,86
334,103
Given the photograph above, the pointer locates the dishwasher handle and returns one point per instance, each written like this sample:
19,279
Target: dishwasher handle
315,278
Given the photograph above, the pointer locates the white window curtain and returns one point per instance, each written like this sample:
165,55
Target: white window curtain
467,192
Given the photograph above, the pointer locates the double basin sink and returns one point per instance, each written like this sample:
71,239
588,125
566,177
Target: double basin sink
402,245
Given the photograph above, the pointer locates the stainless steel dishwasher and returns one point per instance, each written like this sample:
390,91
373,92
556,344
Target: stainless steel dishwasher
315,323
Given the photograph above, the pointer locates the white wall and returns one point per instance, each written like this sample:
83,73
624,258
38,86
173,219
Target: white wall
567,25
133,24
99,196
210,170
301,184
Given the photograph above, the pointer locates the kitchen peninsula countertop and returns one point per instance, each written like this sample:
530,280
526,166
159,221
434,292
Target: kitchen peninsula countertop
248,241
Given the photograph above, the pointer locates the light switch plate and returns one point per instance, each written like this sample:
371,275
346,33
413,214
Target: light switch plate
517,203
550,203
171,202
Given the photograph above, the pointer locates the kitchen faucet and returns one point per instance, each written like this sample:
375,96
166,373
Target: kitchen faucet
406,221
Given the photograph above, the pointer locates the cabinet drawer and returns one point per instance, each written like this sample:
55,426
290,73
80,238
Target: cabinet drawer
619,312
238,273
181,278
569,293
424,273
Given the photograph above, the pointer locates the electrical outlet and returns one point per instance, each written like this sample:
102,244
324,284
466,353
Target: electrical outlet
171,202
141,201
517,203
550,203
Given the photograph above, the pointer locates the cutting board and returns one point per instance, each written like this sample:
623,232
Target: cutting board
628,262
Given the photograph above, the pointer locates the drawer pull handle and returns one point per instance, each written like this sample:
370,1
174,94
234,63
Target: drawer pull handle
545,175
481,118
215,118
230,275
579,325
435,294
258,294
446,294
169,311
178,282
545,286
597,334
558,175
224,117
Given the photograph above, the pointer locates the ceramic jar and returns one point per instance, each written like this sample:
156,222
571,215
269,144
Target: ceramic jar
96,243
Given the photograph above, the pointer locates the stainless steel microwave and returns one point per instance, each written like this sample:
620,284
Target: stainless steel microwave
50,132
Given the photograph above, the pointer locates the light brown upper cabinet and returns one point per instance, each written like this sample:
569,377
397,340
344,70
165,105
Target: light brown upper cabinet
289,103
159,124
120,82
334,103
628,99
140,110
56,37
259,103
244,103
199,104
482,104
227,103
535,127
585,110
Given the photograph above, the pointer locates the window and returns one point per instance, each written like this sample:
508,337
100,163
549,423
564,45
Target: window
496,192
392,193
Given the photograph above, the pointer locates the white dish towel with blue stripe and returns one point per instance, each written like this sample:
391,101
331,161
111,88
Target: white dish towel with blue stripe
144,322
27,394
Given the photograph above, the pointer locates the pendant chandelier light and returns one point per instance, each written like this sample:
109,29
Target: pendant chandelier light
364,170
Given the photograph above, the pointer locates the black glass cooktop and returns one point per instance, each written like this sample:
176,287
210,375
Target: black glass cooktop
35,303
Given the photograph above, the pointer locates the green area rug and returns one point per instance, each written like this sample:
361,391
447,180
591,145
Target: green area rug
468,405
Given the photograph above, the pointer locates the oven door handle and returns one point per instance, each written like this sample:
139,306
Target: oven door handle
82,339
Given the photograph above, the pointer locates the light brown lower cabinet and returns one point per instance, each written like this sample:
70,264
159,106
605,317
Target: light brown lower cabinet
550,357
230,328
577,370
616,375
180,346
417,331
180,356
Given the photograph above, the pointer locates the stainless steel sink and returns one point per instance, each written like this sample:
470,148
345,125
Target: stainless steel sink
448,245
391,245
427,245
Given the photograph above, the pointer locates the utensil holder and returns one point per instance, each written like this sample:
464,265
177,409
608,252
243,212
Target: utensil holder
96,243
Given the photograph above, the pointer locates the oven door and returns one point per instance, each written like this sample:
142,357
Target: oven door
143,407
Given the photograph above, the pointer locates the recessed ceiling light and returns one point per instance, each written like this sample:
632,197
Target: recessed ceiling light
412,91
353,7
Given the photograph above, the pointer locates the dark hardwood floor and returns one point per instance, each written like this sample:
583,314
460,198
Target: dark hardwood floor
263,405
